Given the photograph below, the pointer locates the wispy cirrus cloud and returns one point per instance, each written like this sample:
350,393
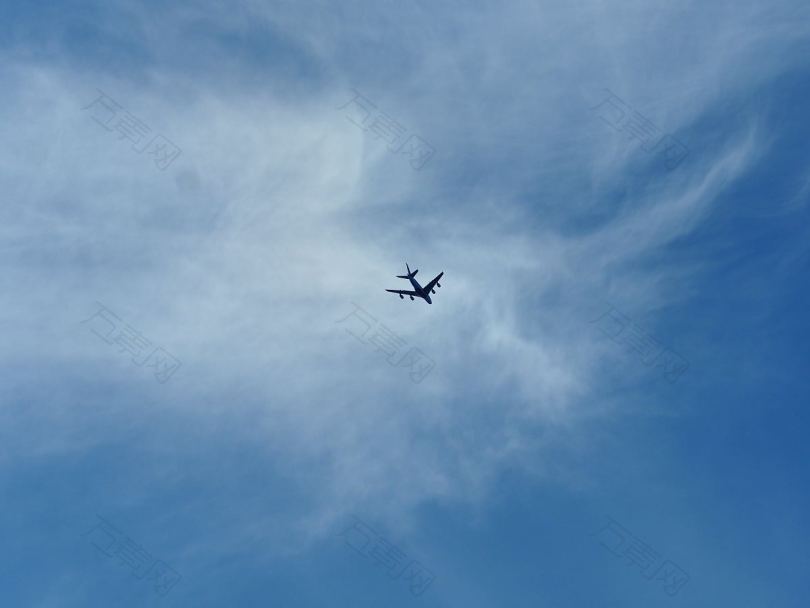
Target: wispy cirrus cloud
242,256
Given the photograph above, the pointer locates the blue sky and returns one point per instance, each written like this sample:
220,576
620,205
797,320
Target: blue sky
251,470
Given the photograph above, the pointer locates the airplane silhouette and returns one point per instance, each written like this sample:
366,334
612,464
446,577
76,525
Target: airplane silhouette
419,291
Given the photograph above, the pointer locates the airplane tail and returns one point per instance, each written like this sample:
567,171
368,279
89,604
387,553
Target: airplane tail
410,274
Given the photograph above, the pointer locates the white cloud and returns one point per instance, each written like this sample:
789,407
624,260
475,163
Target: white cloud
243,255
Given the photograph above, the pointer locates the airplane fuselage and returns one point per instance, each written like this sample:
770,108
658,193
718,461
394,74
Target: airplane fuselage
419,291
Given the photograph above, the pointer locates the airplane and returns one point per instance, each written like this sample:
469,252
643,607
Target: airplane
419,291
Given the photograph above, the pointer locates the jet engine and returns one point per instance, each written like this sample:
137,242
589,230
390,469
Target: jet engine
401,297
411,298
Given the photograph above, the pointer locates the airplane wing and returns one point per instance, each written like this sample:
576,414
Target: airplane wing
403,293
430,285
